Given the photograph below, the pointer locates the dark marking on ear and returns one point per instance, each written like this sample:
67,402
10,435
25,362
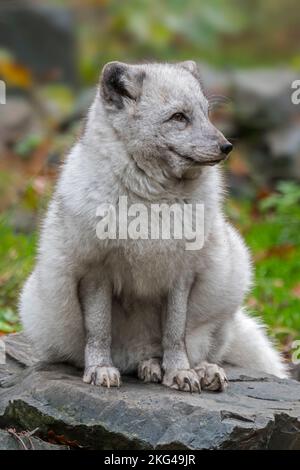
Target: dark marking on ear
113,88
189,65
140,77
118,81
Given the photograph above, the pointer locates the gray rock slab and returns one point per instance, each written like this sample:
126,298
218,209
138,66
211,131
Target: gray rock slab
257,411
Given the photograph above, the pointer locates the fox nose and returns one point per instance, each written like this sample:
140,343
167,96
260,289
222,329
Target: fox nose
226,148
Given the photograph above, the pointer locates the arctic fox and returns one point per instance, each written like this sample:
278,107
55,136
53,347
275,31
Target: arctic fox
152,307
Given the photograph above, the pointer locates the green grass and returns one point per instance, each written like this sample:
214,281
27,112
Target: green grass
17,252
273,235
277,278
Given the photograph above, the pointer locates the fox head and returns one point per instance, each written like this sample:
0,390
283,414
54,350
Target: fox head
160,114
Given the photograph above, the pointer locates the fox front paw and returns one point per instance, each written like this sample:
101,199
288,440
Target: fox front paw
185,380
102,376
150,370
212,377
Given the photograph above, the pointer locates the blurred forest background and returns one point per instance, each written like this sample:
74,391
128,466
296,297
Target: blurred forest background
51,55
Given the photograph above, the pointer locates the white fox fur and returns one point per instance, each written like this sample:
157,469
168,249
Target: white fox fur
127,305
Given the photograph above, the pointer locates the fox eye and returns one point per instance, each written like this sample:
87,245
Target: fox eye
179,117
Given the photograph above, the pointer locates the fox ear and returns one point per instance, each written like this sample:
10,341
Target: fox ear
189,65
120,81
192,67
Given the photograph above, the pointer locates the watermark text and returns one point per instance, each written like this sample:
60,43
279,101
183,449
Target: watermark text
152,222
2,92
296,94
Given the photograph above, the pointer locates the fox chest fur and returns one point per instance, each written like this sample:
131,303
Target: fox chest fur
146,268
138,264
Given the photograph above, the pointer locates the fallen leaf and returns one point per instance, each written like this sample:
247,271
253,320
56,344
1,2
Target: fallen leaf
281,251
61,439
15,74
296,291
